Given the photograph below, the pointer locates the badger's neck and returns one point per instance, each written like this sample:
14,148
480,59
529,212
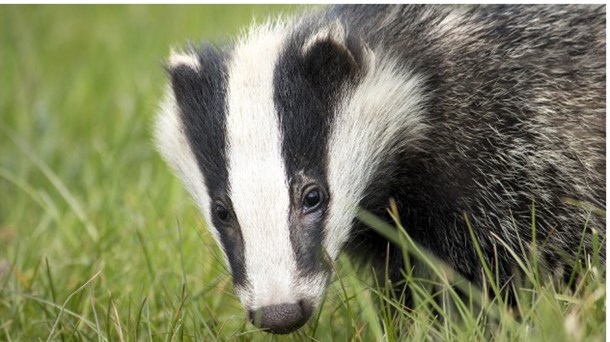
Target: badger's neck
380,119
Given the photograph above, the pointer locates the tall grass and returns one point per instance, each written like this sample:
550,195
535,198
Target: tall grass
98,241
541,307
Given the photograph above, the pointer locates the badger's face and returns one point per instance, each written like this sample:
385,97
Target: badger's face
276,140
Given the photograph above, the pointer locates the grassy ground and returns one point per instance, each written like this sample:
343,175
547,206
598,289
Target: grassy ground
98,241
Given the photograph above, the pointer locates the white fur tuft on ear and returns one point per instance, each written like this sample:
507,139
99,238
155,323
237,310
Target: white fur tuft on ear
177,59
335,31
360,53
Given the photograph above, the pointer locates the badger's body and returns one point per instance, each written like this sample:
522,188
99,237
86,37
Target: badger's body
485,112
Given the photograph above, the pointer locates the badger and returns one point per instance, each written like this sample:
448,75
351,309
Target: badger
481,119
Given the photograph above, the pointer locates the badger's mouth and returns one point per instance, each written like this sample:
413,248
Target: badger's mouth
281,318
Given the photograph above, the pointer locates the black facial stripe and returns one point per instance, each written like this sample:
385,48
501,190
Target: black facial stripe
307,230
201,97
306,91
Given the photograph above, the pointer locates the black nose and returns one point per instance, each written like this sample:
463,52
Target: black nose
281,318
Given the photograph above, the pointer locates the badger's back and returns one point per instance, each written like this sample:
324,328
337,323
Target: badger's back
495,113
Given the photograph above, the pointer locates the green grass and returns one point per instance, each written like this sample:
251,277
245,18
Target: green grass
98,241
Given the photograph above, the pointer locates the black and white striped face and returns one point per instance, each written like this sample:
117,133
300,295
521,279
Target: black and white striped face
276,140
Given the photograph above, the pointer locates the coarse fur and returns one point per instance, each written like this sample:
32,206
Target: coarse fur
493,112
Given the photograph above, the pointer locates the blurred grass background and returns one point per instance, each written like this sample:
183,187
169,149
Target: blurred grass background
98,241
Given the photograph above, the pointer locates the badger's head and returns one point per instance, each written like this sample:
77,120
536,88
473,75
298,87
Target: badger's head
277,138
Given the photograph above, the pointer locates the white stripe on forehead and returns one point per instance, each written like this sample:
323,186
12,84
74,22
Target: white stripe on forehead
257,177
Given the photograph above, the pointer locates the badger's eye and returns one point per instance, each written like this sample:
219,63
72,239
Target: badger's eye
312,199
221,213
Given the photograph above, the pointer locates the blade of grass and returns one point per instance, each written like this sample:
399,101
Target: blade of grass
63,307
98,328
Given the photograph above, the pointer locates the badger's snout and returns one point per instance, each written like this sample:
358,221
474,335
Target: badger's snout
281,318
281,305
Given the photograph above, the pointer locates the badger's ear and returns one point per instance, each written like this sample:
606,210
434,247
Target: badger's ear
183,69
183,59
331,54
